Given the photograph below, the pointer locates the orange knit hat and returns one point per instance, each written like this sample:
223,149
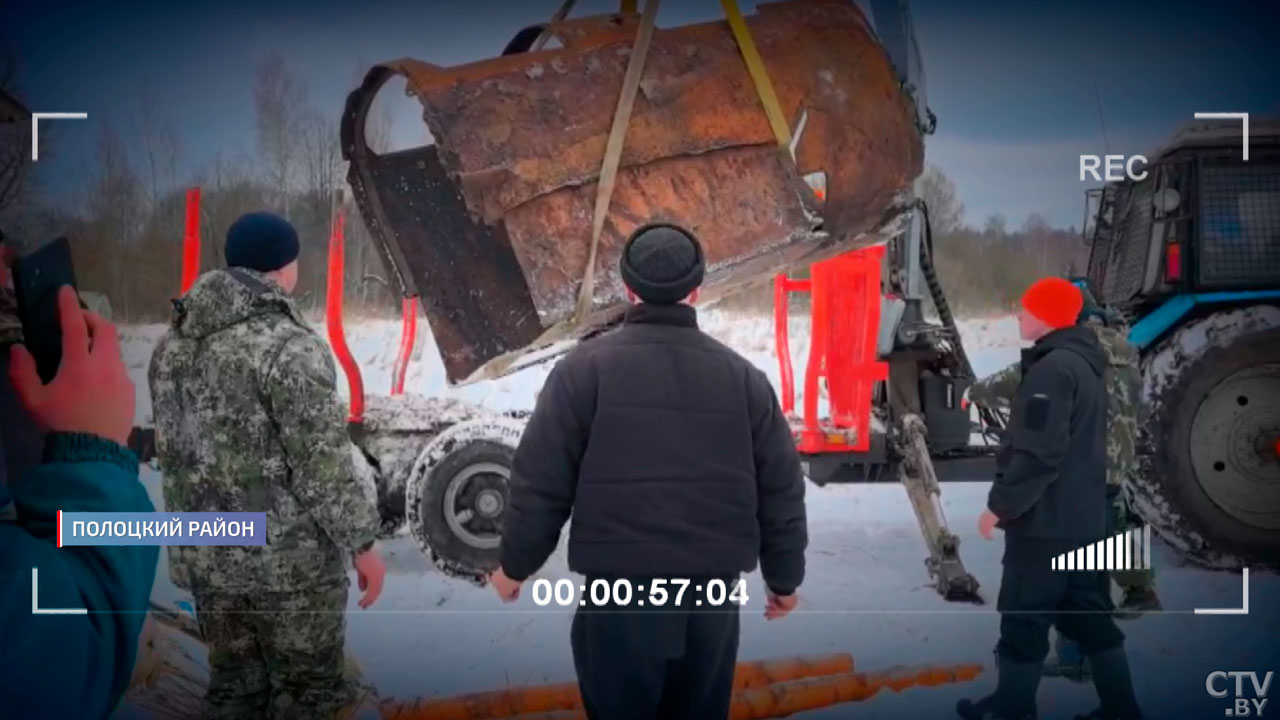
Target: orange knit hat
1054,301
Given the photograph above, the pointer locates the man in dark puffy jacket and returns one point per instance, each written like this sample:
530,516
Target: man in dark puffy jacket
680,471
1049,496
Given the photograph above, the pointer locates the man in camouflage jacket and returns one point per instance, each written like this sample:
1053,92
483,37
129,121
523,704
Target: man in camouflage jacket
248,420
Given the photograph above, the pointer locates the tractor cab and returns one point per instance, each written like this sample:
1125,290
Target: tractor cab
1204,219
1191,256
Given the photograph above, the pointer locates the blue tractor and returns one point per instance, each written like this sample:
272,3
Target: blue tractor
1191,255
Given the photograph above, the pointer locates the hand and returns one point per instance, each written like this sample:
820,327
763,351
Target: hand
777,606
508,590
987,524
92,392
370,571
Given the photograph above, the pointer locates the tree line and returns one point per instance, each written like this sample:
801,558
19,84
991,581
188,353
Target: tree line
986,269
126,231
982,270
126,223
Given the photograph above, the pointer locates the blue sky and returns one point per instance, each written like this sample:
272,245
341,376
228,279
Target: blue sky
1012,83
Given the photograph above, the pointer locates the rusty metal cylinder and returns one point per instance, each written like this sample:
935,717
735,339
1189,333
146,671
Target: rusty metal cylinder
491,226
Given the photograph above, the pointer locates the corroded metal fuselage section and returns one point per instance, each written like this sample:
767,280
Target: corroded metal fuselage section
491,226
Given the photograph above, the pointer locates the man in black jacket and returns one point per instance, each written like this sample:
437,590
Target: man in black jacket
677,464
1049,496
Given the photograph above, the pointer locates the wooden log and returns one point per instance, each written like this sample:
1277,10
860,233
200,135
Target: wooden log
784,699
518,702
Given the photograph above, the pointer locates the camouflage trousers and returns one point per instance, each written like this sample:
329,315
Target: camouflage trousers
1123,520
275,656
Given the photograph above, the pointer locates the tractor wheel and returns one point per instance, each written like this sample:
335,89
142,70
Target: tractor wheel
457,493
1211,444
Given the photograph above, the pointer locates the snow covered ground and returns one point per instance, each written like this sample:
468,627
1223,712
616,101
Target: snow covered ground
865,593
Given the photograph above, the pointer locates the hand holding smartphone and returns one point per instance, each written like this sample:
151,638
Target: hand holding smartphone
68,371
37,278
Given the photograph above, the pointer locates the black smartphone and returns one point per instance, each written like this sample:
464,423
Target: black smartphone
37,277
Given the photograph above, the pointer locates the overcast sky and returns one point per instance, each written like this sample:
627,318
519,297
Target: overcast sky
1012,82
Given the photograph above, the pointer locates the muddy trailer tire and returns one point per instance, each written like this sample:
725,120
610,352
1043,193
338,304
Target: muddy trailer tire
457,493
1210,449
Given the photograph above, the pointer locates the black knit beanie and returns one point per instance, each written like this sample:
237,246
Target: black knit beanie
261,241
662,264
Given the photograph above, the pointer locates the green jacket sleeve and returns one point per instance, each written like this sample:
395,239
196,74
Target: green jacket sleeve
997,389
71,665
304,405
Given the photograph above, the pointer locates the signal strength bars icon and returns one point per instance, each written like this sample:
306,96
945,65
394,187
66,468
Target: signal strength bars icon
1127,551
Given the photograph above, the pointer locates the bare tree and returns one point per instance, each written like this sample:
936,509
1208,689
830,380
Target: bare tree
115,194
228,191
321,159
278,99
1037,237
159,148
946,212
114,207
996,226
378,120
377,129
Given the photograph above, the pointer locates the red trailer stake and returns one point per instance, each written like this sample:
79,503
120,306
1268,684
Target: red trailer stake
333,320
191,241
408,334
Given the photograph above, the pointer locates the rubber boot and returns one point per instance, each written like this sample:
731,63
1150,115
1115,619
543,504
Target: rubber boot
1014,698
1114,684
1068,661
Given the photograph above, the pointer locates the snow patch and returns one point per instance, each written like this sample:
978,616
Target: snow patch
1189,343
991,343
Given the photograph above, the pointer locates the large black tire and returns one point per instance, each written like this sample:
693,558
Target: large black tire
457,492
1211,476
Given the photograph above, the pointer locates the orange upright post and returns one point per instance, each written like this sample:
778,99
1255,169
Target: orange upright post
851,359
843,350
408,335
333,318
191,241
783,286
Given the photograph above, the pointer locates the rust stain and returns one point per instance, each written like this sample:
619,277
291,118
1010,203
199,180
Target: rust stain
696,97
729,200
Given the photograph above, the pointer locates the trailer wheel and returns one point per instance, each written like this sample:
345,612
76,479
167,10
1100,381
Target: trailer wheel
1212,443
457,494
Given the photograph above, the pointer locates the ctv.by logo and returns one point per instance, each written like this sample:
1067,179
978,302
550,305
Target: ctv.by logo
1244,706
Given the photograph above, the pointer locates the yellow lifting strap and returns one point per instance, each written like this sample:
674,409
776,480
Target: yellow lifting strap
613,152
759,76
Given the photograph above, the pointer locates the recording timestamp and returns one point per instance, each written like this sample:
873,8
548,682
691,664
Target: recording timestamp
673,593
